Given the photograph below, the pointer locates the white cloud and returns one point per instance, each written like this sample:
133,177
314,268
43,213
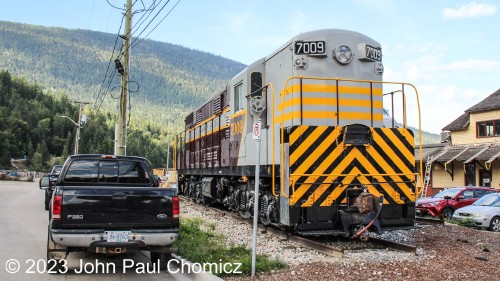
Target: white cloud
470,65
471,10
440,104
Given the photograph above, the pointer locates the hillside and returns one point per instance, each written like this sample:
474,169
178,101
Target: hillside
170,80
31,127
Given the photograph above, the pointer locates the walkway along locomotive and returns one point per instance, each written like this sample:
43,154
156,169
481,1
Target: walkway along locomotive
325,140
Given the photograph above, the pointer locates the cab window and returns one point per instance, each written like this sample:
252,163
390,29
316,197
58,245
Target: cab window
238,96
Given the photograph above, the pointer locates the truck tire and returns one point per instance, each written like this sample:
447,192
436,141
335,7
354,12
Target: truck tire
51,267
47,201
160,258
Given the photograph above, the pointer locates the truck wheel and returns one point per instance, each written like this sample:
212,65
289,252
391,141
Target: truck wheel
47,201
161,258
52,268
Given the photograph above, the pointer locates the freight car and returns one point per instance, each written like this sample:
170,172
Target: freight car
325,142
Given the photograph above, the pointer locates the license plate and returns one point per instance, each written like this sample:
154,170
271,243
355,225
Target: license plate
118,236
419,211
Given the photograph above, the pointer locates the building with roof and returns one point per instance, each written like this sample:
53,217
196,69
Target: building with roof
469,154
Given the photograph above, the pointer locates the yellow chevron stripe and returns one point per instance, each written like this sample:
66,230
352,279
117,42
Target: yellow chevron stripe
302,168
320,150
354,155
345,182
297,194
306,144
315,195
390,152
297,133
397,142
370,169
380,160
351,157
322,167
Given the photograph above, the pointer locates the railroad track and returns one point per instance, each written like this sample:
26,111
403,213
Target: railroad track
438,221
319,246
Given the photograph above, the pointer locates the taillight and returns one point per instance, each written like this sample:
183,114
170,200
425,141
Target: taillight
56,207
175,207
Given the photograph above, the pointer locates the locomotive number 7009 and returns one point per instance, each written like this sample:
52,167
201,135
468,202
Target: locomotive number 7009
309,47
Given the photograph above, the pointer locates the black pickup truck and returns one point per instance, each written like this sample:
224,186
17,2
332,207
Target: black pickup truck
111,205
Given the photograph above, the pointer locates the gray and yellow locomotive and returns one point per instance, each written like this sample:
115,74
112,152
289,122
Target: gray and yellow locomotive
325,141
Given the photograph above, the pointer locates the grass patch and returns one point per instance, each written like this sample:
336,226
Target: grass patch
467,222
199,243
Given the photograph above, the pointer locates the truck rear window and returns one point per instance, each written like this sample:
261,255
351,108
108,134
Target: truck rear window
107,171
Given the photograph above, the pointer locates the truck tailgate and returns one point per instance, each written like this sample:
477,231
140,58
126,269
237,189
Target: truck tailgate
117,208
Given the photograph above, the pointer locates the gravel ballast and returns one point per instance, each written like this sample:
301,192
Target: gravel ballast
446,252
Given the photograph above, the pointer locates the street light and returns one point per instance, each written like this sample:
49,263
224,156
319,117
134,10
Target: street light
78,127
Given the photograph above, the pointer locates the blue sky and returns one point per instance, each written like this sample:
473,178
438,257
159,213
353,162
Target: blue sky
449,49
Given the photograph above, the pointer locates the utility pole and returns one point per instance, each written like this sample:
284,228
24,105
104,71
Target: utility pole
79,125
122,119
81,119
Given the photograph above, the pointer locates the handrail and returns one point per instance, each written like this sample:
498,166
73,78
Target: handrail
273,180
284,92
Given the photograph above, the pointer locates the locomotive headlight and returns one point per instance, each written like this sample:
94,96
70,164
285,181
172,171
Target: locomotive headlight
343,54
379,69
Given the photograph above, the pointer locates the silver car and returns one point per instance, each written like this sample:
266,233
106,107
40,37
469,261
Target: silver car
484,213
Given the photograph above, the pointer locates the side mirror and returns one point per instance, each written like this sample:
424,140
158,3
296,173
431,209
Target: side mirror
44,182
460,198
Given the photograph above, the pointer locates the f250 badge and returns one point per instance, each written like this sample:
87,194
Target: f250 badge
75,217
161,216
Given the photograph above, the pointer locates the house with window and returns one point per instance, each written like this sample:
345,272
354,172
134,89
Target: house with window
469,154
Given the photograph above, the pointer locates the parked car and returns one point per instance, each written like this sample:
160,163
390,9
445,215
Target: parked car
53,175
447,201
484,213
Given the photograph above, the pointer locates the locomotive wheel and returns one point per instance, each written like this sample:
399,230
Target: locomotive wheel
243,204
266,211
207,201
245,214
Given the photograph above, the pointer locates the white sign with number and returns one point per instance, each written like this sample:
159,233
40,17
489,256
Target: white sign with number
256,130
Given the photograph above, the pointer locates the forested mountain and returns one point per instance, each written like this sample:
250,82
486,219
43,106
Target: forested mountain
169,80
31,126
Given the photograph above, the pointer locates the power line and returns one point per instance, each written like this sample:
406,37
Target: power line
109,63
135,44
148,13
